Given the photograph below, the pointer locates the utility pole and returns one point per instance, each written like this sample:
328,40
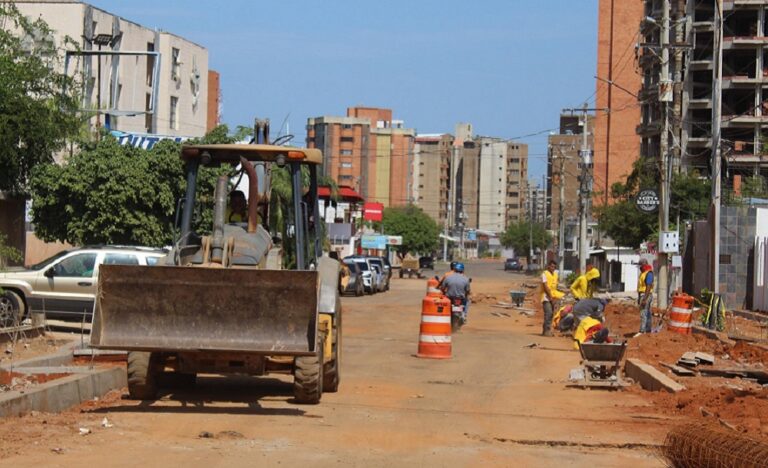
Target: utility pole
560,214
665,97
716,162
530,223
451,199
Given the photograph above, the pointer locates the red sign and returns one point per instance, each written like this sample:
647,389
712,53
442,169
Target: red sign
373,211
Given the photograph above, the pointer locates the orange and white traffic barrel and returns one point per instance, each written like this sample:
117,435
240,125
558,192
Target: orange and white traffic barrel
432,287
681,314
435,329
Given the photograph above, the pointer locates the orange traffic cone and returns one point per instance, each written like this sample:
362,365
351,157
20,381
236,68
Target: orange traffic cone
435,330
680,314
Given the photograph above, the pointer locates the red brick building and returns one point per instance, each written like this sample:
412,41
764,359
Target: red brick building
616,143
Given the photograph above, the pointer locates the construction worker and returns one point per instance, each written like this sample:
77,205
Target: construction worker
237,211
456,286
549,296
590,330
645,295
584,285
448,273
590,307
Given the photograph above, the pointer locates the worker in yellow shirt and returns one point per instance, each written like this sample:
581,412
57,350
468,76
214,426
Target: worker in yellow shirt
583,287
549,296
237,211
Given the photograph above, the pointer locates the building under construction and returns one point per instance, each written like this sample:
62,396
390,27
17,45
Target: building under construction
694,33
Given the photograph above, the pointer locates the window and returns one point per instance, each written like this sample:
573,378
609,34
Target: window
175,64
120,259
76,266
150,63
152,261
346,152
346,165
347,139
174,113
346,126
148,115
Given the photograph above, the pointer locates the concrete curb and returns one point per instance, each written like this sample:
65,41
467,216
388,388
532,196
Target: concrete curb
60,394
715,335
649,377
61,357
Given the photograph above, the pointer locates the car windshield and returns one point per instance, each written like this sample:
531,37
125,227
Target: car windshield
360,265
48,261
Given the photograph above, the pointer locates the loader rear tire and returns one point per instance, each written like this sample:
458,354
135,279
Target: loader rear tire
308,377
142,375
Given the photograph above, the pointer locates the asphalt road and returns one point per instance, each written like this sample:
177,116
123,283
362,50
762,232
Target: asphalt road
495,403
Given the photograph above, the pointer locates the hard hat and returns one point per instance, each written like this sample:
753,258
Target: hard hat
459,267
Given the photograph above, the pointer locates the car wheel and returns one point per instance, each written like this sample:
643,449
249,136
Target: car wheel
12,309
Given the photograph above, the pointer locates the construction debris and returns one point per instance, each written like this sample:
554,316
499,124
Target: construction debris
650,378
682,371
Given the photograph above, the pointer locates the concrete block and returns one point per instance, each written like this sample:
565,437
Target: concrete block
715,335
649,377
61,357
60,394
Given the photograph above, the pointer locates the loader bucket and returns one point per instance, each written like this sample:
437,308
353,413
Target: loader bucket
168,308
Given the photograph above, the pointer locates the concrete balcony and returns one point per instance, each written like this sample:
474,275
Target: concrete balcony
705,103
699,65
649,129
700,142
744,42
729,5
730,121
703,26
743,81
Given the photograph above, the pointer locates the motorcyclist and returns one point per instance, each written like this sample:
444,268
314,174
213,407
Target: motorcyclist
448,273
456,286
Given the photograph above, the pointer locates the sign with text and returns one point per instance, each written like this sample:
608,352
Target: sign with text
374,242
394,240
373,211
647,201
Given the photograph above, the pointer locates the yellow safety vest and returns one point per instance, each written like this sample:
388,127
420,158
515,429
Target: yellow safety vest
580,334
641,282
582,286
552,284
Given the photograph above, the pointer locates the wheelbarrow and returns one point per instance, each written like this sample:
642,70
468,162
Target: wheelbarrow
601,364
517,297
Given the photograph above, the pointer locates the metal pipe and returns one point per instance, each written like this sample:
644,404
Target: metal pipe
219,207
298,221
253,194
189,201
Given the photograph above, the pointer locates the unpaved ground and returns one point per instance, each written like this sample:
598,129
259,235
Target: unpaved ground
496,403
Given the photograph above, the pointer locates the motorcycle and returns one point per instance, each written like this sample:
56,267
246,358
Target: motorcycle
457,313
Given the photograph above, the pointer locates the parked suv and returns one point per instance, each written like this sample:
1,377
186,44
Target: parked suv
64,286
385,272
512,264
355,284
370,277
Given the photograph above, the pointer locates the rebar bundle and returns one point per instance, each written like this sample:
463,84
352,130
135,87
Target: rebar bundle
700,446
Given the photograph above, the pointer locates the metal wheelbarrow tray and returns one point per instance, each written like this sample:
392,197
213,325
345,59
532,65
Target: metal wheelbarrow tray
602,365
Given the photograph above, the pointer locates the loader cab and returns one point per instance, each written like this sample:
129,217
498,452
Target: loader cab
285,197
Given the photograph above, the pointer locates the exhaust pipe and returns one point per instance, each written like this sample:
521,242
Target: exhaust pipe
219,210
253,193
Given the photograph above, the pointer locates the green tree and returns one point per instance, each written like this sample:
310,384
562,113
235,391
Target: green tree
36,116
628,226
420,232
520,235
115,194
754,187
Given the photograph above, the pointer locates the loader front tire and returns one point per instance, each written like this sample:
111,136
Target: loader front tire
142,375
308,377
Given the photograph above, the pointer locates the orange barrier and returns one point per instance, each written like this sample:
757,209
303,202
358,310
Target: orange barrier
681,314
435,329
432,287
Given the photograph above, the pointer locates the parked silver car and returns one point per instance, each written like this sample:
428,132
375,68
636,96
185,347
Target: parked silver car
64,286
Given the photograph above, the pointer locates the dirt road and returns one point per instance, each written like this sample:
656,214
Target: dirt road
496,403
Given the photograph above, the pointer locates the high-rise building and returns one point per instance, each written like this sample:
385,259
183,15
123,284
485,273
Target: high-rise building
503,171
431,173
163,93
616,144
367,150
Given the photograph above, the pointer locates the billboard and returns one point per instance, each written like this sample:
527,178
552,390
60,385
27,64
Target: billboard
373,211
374,242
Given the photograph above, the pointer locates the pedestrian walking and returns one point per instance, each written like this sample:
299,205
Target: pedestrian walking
645,295
549,296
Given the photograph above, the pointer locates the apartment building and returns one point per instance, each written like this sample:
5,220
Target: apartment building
503,171
616,144
431,174
162,89
367,150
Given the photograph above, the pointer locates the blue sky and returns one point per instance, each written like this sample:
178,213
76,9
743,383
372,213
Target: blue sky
506,66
